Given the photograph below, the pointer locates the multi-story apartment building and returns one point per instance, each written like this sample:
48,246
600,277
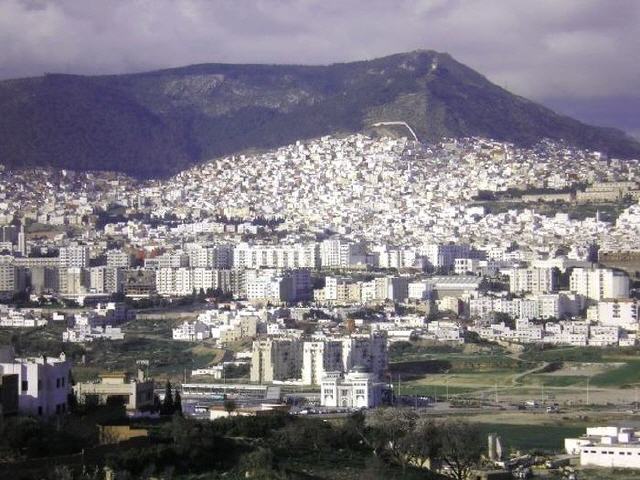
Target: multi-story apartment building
275,256
599,283
276,359
532,280
444,255
320,357
621,313
74,256
368,351
118,259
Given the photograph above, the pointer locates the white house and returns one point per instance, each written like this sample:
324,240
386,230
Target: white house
191,331
44,384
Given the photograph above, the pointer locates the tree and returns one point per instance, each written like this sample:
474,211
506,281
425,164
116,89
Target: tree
423,443
229,405
177,403
387,430
167,403
461,448
259,464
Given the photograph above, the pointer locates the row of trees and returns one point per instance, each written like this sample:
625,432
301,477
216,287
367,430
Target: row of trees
172,403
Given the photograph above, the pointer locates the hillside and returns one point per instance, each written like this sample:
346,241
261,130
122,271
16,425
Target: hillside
156,123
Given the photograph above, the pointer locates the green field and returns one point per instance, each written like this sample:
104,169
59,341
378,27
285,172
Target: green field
474,372
548,438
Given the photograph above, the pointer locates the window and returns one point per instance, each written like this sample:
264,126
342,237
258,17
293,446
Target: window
39,385
39,410
57,383
25,385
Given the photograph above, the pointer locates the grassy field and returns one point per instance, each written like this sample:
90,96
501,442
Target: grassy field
475,372
625,376
548,438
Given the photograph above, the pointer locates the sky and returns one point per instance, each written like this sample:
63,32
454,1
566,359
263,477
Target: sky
578,56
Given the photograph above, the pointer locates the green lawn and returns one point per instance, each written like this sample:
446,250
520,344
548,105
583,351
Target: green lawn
624,376
555,381
433,390
532,437
565,354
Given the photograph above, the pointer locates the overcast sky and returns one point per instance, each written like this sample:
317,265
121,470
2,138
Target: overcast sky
569,49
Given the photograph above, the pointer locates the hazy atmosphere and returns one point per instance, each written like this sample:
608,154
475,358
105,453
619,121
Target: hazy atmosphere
575,56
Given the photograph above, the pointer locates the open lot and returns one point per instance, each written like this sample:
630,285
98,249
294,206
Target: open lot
570,376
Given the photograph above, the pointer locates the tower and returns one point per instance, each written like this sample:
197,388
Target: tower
22,240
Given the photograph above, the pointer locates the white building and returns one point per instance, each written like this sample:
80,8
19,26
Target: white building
21,318
44,383
320,357
621,313
368,351
420,290
608,447
118,259
356,389
275,256
74,256
83,333
191,331
533,280
444,256
599,283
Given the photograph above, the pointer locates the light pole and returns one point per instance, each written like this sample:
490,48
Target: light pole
588,380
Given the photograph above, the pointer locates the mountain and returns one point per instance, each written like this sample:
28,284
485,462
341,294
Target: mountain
157,123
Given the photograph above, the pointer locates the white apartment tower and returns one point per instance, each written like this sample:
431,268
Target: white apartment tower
368,351
275,359
318,358
534,279
74,256
599,283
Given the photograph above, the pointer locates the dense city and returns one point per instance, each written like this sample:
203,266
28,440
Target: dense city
318,279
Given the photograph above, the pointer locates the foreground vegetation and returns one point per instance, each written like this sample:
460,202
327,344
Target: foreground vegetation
386,444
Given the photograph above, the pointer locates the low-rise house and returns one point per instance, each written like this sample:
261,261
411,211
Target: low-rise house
135,393
608,447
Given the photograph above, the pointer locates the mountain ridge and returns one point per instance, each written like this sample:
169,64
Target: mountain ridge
153,124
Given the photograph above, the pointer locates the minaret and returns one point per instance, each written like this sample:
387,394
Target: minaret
22,240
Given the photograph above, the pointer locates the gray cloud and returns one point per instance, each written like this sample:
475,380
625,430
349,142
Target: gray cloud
540,49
